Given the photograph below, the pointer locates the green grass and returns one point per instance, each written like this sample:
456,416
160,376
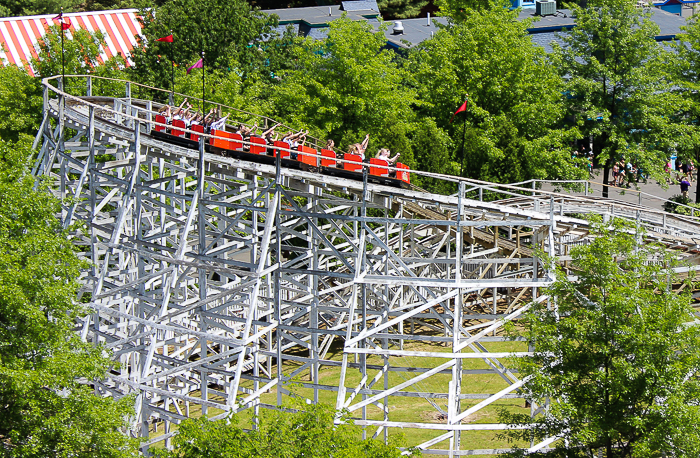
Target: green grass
407,409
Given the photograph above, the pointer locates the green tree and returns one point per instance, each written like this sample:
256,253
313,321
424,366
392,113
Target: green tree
20,103
310,433
226,88
617,354
512,129
230,32
48,406
79,55
617,87
459,10
433,149
31,7
686,64
348,85
399,9
101,5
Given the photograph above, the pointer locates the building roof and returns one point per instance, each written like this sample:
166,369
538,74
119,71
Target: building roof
543,31
321,16
669,24
360,5
562,20
19,36
675,2
414,31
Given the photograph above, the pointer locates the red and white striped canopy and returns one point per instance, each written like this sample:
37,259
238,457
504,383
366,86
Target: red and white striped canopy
19,35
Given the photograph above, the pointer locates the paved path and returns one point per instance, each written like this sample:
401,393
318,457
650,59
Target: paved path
653,194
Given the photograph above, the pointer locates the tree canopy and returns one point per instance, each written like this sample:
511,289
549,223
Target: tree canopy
617,354
20,103
78,54
512,129
49,408
685,63
618,89
309,432
230,33
30,7
348,85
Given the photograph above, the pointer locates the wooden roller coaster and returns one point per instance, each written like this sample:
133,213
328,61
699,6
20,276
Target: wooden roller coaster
220,277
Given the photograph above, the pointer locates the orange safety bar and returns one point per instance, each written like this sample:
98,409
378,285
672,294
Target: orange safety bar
327,158
378,171
197,128
180,124
259,145
353,162
310,157
283,154
403,174
160,119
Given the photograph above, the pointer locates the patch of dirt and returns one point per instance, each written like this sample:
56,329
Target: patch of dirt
432,416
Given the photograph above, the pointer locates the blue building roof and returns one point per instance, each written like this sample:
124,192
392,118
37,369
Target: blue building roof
674,2
362,5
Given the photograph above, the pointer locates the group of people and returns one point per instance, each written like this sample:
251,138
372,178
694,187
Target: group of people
191,118
682,169
293,139
359,149
625,172
214,120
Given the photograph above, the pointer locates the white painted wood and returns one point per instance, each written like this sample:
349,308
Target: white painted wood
216,278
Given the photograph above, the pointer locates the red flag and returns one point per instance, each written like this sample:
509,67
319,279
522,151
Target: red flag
198,64
168,39
65,23
463,107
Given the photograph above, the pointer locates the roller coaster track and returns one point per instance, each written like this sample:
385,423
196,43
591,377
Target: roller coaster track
217,282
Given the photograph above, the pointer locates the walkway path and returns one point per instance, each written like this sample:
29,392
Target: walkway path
653,194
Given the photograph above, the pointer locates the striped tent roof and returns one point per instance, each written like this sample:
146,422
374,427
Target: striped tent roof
19,35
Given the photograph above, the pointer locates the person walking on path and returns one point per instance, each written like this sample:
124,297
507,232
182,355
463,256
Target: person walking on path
685,185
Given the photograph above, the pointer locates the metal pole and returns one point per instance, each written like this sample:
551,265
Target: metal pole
203,79
464,137
63,59
172,67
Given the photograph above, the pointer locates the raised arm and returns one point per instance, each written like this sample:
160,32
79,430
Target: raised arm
270,130
365,142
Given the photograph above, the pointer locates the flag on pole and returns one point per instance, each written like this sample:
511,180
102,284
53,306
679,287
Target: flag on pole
463,107
198,64
168,39
65,22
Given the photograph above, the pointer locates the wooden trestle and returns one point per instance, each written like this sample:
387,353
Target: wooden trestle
217,282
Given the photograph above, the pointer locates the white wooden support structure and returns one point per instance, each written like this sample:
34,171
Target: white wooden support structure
217,282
